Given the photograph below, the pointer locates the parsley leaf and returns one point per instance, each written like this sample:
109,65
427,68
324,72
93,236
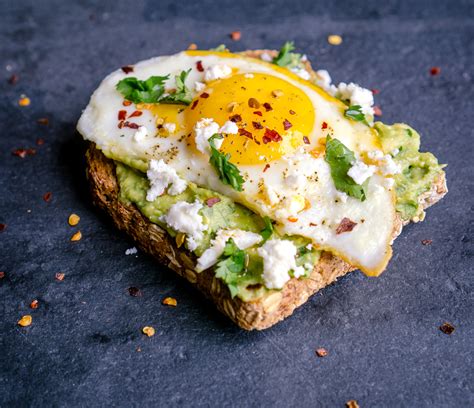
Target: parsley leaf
267,231
228,172
137,91
340,160
183,94
287,58
231,266
354,112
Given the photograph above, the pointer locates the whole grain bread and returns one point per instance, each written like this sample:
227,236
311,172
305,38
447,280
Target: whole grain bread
152,239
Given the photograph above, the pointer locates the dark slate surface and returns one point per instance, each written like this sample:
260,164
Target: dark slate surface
385,348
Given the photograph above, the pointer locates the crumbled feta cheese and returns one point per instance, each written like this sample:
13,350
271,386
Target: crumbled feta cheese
290,207
243,240
217,72
131,251
184,217
389,166
199,86
162,176
169,127
229,128
394,152
271,195
356,95
266,57
375,155
140,134
204,129
359,172
323,80
278,260
301,72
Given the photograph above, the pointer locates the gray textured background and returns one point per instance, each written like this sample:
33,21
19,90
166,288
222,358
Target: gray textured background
385,348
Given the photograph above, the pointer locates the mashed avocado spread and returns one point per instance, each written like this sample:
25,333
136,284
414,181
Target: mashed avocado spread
419,171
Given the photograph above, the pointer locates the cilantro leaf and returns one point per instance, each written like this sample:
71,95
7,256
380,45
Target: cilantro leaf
354,112
219,48
228,172
231,266
267,231
287,58
340,160
137,91
182,95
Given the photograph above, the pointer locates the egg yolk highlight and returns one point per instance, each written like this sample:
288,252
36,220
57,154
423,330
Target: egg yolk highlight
274,117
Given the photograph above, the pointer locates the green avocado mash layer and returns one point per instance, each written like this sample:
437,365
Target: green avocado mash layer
419,171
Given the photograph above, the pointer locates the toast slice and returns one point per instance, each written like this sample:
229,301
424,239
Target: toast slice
260,314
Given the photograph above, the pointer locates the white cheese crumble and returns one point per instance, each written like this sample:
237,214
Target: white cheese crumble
394,152
301,72
229,128
199,86
278,260
243,240
375,155
184,217
131,251
217,72
204,129
356,95
162,176
266,57
140,134
389,166
359,172
169,127
323,80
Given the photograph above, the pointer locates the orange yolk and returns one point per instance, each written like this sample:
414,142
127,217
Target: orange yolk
272,115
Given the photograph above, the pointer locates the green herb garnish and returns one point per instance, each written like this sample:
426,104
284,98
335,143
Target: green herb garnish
228,172
231,266
219,48
152,90
267,231
340,160
354,112
287,58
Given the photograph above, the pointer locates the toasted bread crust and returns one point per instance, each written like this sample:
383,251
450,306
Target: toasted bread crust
152,239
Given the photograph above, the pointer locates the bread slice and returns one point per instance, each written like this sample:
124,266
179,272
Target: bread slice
152,239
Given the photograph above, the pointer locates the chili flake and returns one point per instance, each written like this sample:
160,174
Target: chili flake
267,106
235,118
24,101
267,166
2,227
131,125
271,136
377,111
2,274
292,112
212,201
346,225
59,276
13,79
22,153
40,141
375,91
258,113
245,133
324,125
149,331
427,241
47,196
194,104
126,103
136,114
25,321
321,352
122,114
204,95
287,124
447,328
34,304
199,66
127,69
435,71
133,291
73,220
76,236
334,39
120,124
43,121
257,125
306,140
235,35
169,301
292,219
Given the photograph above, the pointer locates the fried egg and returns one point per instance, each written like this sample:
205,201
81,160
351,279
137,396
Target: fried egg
280,123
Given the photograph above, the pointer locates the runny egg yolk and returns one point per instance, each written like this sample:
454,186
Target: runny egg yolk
274,117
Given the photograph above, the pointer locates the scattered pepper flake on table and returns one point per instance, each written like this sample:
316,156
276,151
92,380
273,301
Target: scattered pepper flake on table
2,227
321,352
334,39
134,291
47,196
377,111
235,35
40,141
127,68
24,101
426,241
22,153
169,301
149,331
76,236
435,71
25,321
13,79
59,276
352,404
34,304
43,121
2,274
447,328
375,91
73,220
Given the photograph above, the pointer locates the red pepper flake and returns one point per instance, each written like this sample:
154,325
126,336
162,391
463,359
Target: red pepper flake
199,66
135,292
267,166
235,35
257,125
204,95
375,91
292,219
212,201
120,125
321,352
427,242
43,121
306,140
377,111
126,103
267,106
47,196
2,227
34,304
447,328
292,112
59,276
312,224
435,71
127,69
253,103
2,274
246,133
40,141
287,124
131,125
22,153
13,79
122,114
346,225
194,104
271,136
136,114
258,113
324,125
235,118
